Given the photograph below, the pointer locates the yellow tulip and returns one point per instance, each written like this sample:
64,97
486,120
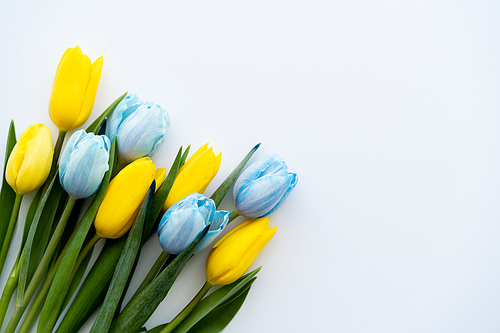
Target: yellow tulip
195,175
234,253
29,162
74,89
123,198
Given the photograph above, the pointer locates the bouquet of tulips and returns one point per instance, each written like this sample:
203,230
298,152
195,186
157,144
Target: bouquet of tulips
109,164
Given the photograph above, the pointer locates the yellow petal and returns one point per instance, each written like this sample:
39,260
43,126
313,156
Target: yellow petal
123,198
195,175
89,99
229,250
247,259
161,173
30,161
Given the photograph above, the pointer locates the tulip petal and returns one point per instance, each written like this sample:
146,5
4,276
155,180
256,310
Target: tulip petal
271,165
37,159
69,148
86,167
143,132
229,250
247,259
293,181
218,224
179,227
90,92
68,89
123,197
265,193
125,108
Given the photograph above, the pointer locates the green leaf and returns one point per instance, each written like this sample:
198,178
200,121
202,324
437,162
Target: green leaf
138,310
96,125
30,214
217,319
62,277
25,258
184,156
123,268
7,194
213,300
220,193
94,287
161,195
57,198
75,282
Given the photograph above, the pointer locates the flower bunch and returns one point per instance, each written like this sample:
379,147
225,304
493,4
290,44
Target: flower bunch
129,199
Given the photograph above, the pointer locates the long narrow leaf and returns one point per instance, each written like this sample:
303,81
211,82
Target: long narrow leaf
217,319
123,268
226,184
25,259
63,273
7,194
138,311
94,287
96,125
213,300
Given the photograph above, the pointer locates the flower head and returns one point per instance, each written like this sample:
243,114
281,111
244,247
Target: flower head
30,160
74,89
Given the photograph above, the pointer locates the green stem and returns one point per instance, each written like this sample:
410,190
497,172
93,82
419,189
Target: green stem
55,158
44,290
10,230
9,289
187,310
152,273
234,214
37,276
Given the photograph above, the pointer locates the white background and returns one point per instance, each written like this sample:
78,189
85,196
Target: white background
387,110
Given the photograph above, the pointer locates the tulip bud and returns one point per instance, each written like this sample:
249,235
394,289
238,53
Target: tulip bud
195,175
140,126
29,162
181,224
234,253
74,89
263,187
83,164
123,198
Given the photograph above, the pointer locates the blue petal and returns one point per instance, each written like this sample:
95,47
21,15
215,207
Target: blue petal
262,195
125,108
218,224
143,132
86,167
293,181
271,165
179,230
70,146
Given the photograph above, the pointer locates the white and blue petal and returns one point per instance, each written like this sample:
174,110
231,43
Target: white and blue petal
218,224
125,108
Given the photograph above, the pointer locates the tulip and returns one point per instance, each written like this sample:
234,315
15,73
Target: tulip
140,126
234,253
228,260
195,175
123,198
74,89
181,224
263,187
83,164
30,160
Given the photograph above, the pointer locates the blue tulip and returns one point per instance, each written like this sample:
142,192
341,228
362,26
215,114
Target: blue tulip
263,187
83,164
140,126
183,221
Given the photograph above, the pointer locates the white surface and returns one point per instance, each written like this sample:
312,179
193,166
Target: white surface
387,110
